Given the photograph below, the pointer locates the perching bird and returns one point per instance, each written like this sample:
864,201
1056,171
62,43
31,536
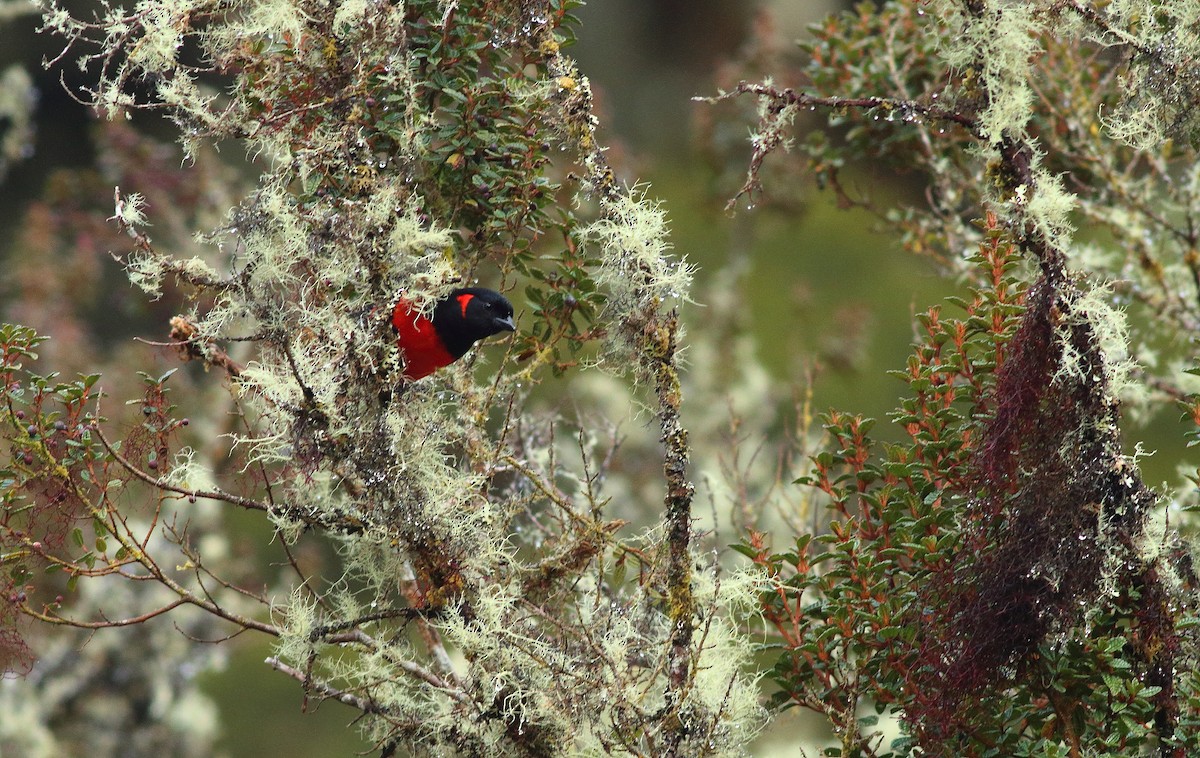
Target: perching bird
459,320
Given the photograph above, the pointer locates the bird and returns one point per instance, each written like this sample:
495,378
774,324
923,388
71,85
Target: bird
459,320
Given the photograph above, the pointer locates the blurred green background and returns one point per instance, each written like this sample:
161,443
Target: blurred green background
822,286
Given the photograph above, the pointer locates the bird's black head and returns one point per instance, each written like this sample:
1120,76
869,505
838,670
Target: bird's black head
467,315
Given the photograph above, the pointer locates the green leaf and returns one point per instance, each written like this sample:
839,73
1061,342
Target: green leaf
744,549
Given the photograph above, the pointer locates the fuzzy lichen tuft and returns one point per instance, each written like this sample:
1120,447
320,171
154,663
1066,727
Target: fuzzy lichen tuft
299,621
997,41
1050,207
1159,88
636,268
1111,333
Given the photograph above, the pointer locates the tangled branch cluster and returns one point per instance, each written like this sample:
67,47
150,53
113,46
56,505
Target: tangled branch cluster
471,597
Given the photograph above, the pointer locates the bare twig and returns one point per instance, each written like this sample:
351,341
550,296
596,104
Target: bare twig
324,690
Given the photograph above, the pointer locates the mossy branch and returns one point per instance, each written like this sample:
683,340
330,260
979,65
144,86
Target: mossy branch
660,348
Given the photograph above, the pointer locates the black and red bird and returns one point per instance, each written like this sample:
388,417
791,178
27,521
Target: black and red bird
459,320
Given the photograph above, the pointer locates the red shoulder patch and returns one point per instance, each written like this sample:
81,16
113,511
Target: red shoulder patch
419,343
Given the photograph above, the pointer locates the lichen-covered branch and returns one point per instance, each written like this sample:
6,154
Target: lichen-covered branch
409,149
1003,554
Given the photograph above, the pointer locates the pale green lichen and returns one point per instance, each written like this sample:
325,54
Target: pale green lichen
510,659
774,124
1110,330
350,16
282,22
721,686
1050,208
130,210
297,619
636,268
411,474
158,48
998,44
114,101
1159,89
187,472
147,273
183,92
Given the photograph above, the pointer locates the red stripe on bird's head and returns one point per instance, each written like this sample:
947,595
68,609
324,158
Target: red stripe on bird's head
463,300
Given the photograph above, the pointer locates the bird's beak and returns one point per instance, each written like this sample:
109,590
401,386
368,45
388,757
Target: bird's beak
506,324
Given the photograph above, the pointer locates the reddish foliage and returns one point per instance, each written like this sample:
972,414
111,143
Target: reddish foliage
15,654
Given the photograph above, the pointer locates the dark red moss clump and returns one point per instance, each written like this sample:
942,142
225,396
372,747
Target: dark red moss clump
1053,502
